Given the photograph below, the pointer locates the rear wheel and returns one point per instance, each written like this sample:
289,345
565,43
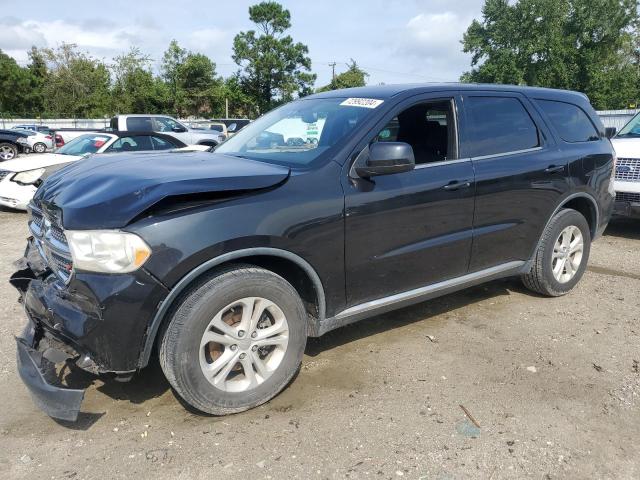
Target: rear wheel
562,255
39,147
235,340
8,151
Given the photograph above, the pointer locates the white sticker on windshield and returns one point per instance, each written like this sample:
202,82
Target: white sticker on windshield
362,102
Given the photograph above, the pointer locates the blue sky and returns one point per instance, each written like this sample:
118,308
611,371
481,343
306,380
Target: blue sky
396,41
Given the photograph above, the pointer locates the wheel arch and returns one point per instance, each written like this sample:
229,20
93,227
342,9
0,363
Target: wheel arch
583,203
288,265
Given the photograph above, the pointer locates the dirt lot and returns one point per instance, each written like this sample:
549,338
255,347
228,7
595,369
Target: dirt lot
553,383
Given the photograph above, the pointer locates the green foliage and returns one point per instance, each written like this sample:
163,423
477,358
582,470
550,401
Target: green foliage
274,69
586,45
15,85
353,77
76,84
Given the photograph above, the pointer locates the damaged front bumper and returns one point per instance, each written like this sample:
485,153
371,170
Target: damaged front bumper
37,370
95,322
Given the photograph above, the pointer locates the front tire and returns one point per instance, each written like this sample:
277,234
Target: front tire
234,341
562,255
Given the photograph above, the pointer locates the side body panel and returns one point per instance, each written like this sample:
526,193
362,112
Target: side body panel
406,230
311,227
515,193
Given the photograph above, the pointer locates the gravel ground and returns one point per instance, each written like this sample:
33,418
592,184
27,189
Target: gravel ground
553,384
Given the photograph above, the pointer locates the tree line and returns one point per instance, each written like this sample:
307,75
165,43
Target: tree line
591,46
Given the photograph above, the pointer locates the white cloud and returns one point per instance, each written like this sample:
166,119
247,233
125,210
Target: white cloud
99,37
207,39
433,40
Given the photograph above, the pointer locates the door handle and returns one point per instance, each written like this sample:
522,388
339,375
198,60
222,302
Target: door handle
554,168
456,185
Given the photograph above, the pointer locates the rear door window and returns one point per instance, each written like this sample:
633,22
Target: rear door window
139,124
498,125
570,121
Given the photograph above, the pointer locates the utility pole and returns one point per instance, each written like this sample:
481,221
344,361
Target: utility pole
333,71
226,107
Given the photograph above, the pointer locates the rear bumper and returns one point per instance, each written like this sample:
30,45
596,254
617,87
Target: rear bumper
34,368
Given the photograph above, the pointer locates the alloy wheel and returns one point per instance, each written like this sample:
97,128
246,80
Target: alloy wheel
567,254
7,153
244,344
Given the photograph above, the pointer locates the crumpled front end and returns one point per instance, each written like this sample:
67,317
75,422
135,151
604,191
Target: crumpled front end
96,322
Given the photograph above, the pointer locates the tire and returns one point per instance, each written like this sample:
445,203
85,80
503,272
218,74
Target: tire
8,151
552,252
182,355
39,147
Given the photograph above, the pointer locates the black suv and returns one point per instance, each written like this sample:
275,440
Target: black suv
327,210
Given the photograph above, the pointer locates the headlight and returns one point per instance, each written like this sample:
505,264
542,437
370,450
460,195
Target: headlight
29,177
107,251
22,140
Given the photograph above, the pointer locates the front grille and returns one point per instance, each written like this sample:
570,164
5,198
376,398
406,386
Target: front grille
51,242
628,197
628,169
3,174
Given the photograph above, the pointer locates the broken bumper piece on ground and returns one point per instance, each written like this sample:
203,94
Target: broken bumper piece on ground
34,369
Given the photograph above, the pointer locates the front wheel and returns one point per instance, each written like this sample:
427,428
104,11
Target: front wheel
562,255
235,340
7,151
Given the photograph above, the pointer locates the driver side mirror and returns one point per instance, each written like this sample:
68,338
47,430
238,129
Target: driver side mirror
386,158
610,132
232,127
179,129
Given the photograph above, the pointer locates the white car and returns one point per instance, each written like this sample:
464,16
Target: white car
627,176
38,142
20,178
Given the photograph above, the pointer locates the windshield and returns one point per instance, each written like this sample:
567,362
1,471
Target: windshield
84,144
631,129
299,132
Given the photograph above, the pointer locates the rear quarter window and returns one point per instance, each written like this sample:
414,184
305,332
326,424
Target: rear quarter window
497,125
570,121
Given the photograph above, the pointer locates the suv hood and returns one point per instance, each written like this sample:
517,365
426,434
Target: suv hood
110,191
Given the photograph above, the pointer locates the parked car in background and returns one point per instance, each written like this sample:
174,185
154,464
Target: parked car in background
65,135
20,178
627,178
206,125
168,126
12,142
234,125
38,142
224,263
33,126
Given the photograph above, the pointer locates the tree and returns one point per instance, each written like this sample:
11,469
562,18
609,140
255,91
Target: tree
15,86
134,87
353,77
199,86
576,44
77,85
172,59
273,68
